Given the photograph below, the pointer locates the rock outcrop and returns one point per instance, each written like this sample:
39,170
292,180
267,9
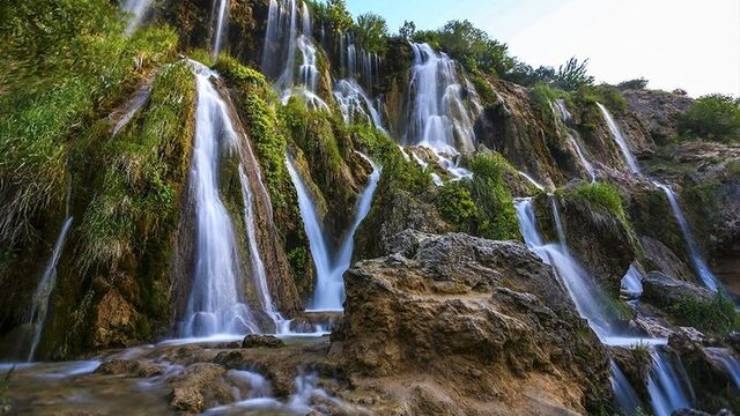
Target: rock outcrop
444,310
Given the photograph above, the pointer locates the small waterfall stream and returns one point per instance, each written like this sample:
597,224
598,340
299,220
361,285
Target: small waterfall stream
349,94
216,304
700,266
664,386
727,358
42,295
623,391
138,10
283,40
616,132
565,117
221,17
330,267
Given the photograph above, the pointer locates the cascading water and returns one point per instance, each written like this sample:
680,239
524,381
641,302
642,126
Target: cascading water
726,357
587,296
565,118
283,40
40,300
216,299
631,286
329,293
138,10
701,268
438,118
259,274
616,132
221,19
623,391
664,387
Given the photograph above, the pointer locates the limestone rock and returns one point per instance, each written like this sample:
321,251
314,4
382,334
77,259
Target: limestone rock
262,341
465,308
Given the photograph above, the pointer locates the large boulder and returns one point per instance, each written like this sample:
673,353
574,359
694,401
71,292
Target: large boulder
664,291
473,322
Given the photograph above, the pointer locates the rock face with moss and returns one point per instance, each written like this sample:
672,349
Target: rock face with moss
453,307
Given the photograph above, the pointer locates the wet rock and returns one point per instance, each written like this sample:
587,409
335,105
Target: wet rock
200,386
130,368
462,306
262,341
664,291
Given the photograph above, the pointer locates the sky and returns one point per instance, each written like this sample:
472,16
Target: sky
688,44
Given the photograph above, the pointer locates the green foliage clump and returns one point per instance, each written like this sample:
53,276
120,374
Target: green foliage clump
633,84
372,32
717,316
569,77
605,94
713,117
469,45
481,206
602,196
140,174
493,197
63,62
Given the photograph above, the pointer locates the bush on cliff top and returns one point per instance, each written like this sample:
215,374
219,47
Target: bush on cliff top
713,117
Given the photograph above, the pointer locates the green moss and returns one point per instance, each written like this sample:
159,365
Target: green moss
717,316
602,196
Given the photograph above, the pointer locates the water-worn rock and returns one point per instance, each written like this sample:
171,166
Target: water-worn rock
201,386
262,341
664,291
462,309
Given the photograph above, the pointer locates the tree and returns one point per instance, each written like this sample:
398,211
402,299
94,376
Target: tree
407,30
573,75
372,32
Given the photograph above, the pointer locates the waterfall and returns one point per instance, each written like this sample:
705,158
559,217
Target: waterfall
623,391
590,301
216,304
222,17
438,118
330,268
700,266
138,10
259,274
616,133
311,223
283,40
631,286
42,295
664,387
726,357
559,107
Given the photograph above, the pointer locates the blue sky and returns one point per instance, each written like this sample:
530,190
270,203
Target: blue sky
689,44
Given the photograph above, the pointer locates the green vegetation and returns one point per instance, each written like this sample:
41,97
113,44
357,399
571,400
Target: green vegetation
64,62
5,403
605,94
633,84
140,173
372,32
602,196
482,206
333,14
712,117
717,316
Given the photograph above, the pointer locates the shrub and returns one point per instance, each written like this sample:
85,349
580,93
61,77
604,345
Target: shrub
456,205
633,84
573,75
717,316
714,117
605,94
